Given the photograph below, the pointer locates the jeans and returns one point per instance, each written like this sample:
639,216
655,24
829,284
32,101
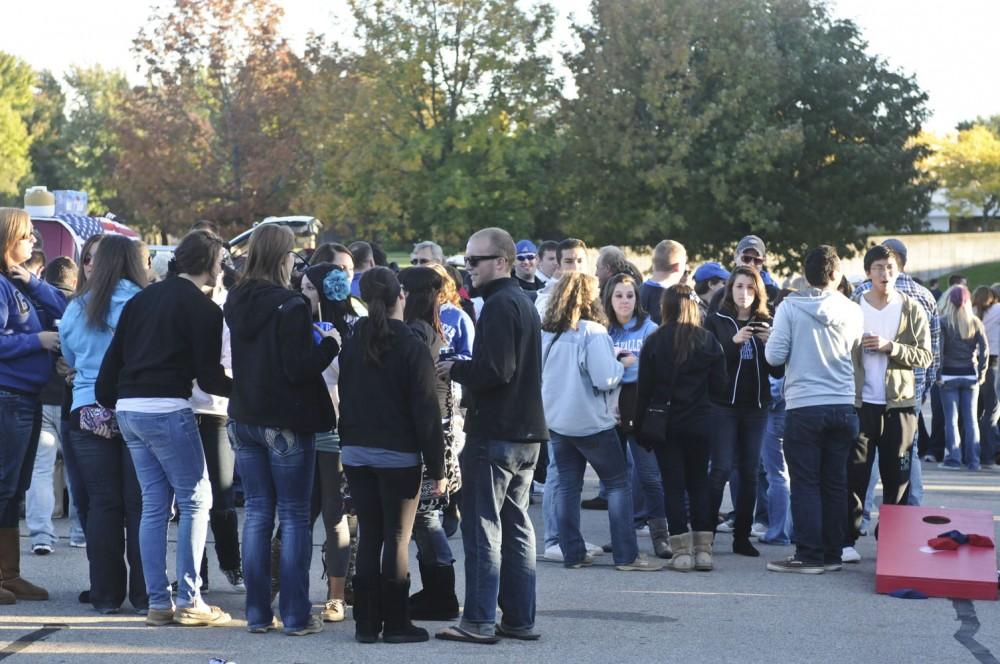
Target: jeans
113,521
432,542
549,499
683,462
20,426
277,468
989,412
170,463
647,483
221,462
497,534
958,402
604,452
779,508
818,441
736,443
889,432
78,498
40,499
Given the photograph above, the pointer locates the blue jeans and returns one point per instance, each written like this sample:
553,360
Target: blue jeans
20,425
551,532
115,500
818,441
40,498
779,507
432,542
736,442
497,534
647,483
277,468
958,401
169,462
604,452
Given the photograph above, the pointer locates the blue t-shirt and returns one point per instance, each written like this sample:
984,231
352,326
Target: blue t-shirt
630,338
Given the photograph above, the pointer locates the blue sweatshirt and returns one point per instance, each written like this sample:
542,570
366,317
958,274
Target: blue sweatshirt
84,346
630,337
24,365
459,330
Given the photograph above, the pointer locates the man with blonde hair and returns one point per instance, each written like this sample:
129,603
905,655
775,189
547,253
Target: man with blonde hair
669,266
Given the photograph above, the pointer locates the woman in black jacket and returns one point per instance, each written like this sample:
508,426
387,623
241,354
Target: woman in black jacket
681,365
390,423
742,325
279,404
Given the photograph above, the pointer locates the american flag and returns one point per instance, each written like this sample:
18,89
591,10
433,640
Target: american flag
84,226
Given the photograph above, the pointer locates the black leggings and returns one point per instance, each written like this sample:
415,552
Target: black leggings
683,463
328,501
221,462
386,502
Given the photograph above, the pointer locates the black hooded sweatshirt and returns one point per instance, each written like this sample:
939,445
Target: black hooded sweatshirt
277,366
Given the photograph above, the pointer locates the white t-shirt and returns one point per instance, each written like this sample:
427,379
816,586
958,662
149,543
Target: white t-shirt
884,323
157,405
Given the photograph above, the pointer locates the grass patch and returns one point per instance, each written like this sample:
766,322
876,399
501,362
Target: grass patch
985,274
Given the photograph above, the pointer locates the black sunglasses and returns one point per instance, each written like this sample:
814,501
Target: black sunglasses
525,257
473,261
749,259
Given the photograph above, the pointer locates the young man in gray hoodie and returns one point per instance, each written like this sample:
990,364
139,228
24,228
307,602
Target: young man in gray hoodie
814,334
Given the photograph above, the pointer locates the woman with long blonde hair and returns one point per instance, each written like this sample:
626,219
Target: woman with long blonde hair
581,376
964,353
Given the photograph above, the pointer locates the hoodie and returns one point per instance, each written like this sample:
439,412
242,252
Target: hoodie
277,367
84,346
814,335
25,311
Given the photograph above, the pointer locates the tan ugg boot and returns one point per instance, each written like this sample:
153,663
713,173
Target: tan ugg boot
682,560
10,568
703,551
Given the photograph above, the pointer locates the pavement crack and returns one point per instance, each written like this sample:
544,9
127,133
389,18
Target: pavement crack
20,644
965,611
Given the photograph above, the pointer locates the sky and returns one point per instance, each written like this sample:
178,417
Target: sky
945,45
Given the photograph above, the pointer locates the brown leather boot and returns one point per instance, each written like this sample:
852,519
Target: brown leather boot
7,597
10,568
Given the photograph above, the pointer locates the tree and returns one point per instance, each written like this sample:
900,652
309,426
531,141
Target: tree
447,129
47,151
967,166
16,83
705,120
212,132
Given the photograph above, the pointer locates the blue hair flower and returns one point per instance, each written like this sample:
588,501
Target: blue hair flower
336,286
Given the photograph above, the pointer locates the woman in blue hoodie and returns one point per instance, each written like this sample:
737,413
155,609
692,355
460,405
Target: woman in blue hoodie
105,465
28,310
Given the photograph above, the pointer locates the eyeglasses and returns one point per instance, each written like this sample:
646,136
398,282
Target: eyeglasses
525,257
750,259
473,261
421,261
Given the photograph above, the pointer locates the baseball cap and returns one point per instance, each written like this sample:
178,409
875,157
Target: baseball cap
711,270
526,247
751,242
897,246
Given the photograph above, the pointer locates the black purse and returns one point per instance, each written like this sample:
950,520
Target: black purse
653,432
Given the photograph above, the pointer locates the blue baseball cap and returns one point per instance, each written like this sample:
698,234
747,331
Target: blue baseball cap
526,247
710,270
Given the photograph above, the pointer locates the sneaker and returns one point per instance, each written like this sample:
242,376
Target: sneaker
201,615
950,465
553,554
586,562
595,503
832,567
930,458
78,543
850,555
790,564
159,617
334,610
264,629
641,564
235,579
726,526
41,549
642,532
593,549
313,626
758,530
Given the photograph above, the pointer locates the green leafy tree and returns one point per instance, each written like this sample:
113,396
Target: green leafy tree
704,120
45,127
967,166
16,84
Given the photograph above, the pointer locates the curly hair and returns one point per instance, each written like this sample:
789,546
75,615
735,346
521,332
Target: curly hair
574,298
449,290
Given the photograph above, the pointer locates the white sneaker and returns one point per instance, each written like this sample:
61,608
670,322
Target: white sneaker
642,532
850,555
758,530
593,549
554,553
725,527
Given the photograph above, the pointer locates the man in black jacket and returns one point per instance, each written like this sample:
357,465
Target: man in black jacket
504,425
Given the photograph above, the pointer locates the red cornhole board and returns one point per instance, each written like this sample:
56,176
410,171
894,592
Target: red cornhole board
905,561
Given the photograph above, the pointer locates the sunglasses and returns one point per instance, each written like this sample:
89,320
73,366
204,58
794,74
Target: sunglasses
525,257
473,261
748,259
420,261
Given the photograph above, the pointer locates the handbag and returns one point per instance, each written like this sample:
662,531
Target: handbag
653,432
99,421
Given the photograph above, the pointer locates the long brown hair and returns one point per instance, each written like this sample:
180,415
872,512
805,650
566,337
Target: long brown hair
982,299
638,314
758,310
14,225
680,311
423,287
88,247
574,298
380,290
118,258
269,245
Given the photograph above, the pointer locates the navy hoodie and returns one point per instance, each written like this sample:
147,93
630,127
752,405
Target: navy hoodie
25,311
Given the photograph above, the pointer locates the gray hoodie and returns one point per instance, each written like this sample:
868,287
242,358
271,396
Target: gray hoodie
813,335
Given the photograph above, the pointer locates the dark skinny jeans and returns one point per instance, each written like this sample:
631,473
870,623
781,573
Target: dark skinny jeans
683,462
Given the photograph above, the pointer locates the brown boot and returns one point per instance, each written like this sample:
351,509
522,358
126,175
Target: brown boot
7,597
10,568
661,538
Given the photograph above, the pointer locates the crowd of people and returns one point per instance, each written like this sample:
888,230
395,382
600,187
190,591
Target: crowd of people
405,404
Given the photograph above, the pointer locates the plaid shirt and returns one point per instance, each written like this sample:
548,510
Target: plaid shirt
906,285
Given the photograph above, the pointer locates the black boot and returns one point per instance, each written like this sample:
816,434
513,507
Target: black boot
437,600
367,609
396,613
